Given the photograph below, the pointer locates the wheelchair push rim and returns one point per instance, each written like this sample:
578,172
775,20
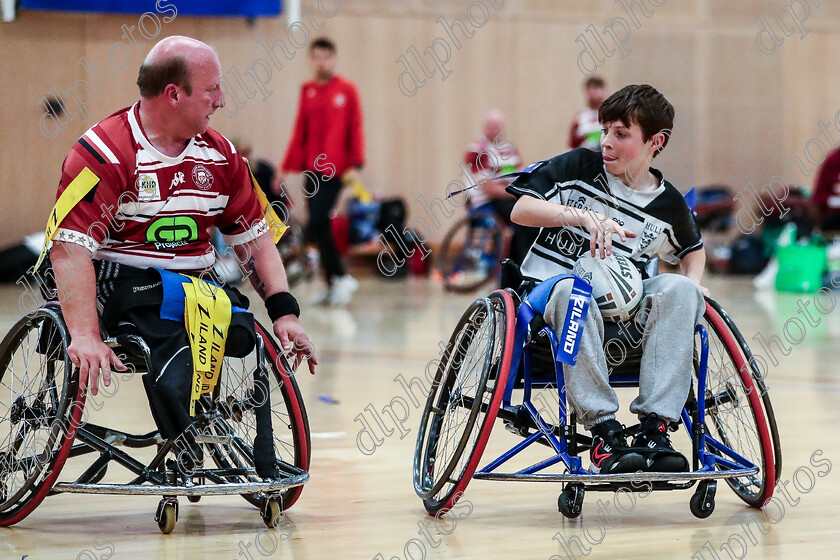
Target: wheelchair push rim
35,352
477,361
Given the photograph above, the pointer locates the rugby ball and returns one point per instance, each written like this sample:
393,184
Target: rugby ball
616,284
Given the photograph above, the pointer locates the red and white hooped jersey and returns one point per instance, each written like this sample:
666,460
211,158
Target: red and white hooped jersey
152,210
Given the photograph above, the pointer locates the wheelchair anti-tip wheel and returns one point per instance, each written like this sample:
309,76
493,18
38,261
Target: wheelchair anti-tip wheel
40,410
737,408
464,401
471,252
570,502
238,397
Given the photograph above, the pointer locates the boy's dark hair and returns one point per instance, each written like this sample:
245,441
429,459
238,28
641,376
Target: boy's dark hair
594,81
155,76
322,43
643,105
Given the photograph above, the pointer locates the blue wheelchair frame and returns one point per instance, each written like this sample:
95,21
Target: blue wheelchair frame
733,464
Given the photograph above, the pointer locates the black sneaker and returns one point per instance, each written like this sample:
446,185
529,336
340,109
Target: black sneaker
609,452
653,435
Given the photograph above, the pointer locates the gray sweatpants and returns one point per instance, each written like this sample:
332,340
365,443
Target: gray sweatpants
671,306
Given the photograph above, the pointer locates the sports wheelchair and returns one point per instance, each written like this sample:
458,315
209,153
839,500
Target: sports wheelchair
42,426
501,345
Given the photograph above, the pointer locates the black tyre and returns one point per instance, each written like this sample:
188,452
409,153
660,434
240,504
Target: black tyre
735,411
40,410
464,401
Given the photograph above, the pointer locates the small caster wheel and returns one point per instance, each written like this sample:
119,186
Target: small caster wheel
570,502
194,499
702,503
271,513
167,515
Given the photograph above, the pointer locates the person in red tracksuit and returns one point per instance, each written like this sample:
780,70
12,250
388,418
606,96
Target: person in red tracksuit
327,145
826,195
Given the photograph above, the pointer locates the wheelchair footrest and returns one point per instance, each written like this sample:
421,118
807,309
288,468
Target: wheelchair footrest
182,490
622,477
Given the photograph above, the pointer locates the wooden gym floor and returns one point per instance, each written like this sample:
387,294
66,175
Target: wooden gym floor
361,506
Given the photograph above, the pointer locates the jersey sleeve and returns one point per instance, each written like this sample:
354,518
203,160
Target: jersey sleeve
686,232
540,179
242,219
355,132
90,222
295,159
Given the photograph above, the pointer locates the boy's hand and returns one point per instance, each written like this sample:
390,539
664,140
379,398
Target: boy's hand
601,234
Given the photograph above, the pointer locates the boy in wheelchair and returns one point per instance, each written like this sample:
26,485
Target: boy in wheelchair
614,201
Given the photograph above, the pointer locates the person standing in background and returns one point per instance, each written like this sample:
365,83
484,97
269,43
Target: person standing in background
327,145
585,131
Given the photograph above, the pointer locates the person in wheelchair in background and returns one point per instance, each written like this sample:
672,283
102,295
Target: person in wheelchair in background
487,157
137,195
640,216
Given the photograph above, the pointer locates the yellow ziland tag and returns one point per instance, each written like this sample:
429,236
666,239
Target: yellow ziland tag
207,311
278,228
75,191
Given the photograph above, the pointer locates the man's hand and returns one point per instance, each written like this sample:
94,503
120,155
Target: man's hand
93,356
295,341
601,232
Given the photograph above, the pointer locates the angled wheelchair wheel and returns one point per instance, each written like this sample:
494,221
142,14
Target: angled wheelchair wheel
464,401
40,410
471,252
238,401
295,253
736,414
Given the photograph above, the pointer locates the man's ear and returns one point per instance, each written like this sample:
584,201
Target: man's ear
172,94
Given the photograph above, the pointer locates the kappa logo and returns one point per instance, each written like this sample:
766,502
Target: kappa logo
177,180
202,177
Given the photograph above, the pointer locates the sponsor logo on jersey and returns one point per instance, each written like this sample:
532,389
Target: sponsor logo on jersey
177,180
339,100
202,177
148,188
172,231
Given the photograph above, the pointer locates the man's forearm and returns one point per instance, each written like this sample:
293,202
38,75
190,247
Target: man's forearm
264,266
76,281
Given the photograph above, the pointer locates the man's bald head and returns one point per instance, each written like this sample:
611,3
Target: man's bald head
171,61
494,124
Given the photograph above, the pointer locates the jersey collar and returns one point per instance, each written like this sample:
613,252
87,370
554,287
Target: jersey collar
620,190
140,137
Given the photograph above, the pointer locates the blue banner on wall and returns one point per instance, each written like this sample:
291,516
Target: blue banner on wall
244,8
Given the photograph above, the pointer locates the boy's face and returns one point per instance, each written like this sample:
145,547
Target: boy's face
626,155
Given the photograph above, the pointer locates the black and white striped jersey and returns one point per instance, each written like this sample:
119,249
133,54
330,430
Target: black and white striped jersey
661,219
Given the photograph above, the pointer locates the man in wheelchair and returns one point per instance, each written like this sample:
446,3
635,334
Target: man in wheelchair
617,202
138,193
